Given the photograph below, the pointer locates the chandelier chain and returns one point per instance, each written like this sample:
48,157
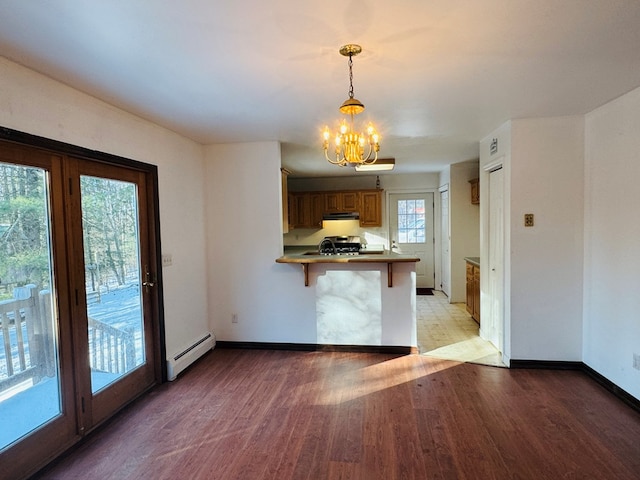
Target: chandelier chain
350,76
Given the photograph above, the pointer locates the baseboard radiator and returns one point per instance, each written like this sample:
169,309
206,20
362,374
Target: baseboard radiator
182,360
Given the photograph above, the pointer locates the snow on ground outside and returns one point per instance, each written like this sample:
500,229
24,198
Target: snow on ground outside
30,408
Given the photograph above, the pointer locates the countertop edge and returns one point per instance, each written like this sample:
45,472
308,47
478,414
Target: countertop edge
474,260
373,258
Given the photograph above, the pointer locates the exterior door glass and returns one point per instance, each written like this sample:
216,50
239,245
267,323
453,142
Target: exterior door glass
30,393
411,221
113,279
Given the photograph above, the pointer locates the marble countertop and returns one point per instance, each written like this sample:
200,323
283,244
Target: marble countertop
309,257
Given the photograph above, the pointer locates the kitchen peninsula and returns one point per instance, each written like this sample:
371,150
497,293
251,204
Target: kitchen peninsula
307,258
355,305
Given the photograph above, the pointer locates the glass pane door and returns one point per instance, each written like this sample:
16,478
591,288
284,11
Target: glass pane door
113,280
411,232
80,335
30,393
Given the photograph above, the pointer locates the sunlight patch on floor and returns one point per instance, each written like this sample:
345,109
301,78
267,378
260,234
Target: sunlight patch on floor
474,350
447,331
375,378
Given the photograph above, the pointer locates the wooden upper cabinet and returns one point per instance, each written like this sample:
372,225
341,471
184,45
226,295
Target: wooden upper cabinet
316,206
350,201
332,202
475,191
307,208
301,210
286,219
371,208
337,202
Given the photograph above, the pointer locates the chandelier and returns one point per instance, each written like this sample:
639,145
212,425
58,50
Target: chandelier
352,148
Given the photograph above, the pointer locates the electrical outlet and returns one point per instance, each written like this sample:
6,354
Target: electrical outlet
234,318
528,219
167,260
636,361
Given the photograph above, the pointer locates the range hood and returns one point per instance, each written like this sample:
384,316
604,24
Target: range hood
341,216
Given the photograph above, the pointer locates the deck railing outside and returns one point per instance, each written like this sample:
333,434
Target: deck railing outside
27,341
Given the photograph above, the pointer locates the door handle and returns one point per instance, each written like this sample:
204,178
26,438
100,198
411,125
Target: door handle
149,281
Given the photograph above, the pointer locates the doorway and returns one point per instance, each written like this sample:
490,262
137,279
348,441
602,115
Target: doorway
79,313
411,232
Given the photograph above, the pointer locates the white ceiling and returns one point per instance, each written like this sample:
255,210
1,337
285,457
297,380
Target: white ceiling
436,75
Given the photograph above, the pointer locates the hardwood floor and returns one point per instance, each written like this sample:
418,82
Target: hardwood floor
258,414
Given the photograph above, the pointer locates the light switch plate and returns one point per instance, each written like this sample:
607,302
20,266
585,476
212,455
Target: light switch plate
167,260
528,219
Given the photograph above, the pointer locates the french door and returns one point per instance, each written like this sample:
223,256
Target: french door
112,286
79,328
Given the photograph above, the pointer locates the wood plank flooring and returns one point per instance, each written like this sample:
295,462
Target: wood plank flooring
446,330
258,414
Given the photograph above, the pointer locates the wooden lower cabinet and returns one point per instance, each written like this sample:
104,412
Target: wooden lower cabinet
473,291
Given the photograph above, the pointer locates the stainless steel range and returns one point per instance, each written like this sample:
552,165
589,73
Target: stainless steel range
340,245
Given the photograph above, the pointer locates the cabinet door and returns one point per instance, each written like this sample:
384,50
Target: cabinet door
336,202
291,213
476,293
350,201
332,202
302,210
470,288
371,209
316,203
285,200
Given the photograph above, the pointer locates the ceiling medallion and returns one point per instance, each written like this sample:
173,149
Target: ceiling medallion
352,147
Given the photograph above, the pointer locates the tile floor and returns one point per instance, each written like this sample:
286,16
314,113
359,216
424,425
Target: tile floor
446,330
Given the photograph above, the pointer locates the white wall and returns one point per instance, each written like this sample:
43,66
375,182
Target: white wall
547,157
35,104
244,238
612,241
464,226
543,171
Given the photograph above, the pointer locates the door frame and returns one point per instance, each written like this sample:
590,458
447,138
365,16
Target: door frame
22,459
504,326
436,227
439,247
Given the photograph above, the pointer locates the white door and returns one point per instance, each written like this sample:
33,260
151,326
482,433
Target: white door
411,232
444,242
493,323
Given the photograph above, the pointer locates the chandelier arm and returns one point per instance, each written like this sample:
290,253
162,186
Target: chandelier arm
337,161
368,160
